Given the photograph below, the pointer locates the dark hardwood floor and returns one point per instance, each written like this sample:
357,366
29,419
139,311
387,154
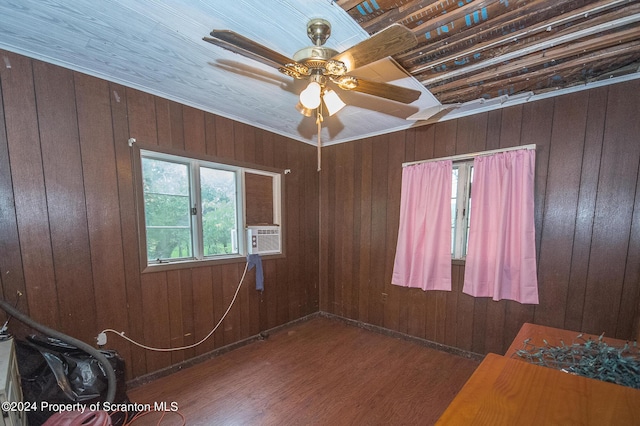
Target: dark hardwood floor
321,371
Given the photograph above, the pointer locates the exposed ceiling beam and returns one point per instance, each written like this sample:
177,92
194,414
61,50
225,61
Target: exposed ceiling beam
565,74
478,25
614,50
543,27
545,45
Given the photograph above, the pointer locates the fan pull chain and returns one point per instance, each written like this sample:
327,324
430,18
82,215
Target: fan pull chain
319,123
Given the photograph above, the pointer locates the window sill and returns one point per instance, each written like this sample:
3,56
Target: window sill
458,262
190,264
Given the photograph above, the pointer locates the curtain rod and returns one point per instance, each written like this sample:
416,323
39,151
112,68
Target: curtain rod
470,156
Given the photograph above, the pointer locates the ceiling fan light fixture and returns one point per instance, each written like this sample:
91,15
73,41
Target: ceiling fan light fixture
304,111
310,97
332,101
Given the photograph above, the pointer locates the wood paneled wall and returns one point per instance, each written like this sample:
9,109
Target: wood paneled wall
68,238
587,222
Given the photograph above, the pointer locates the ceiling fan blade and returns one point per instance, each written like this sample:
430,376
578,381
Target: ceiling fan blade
234,42
239,51
387,91
393,39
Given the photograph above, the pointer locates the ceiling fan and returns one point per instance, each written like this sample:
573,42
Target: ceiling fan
321,65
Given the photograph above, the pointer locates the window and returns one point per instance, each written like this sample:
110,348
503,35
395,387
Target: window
196,210
460,208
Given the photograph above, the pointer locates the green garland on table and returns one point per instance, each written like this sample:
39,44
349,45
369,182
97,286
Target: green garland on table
588,358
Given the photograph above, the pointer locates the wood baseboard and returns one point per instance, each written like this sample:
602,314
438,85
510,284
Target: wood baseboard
138,381
392,333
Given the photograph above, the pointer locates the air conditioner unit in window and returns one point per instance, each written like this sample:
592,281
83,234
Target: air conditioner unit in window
263,239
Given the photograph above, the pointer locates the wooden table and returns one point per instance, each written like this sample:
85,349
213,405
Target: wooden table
554,336
505,391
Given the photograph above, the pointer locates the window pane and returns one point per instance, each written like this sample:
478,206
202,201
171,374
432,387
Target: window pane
167,212
454,202
219,214
466,245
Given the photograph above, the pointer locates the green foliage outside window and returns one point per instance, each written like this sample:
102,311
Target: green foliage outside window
218,192
167,201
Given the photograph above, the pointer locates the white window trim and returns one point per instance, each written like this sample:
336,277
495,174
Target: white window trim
138,151
462,210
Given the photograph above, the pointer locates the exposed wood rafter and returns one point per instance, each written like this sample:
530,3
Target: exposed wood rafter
487,48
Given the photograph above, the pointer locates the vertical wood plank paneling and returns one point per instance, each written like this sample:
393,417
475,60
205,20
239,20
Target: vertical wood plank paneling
231,326
268,152
11,273
396,303
169,123
163,122
203,311
356,230
295,232
102,199
282,304
341,294
224,137
365,222
210,134
379,206
270,295
285,270
630,300
310,226
586,207
217,306
62,165
29,189
244,303
329,243
142,117
187,311
136,364
156,319
177,125
563,183
194,130
451,308
614,211
174,299
96,126
325,223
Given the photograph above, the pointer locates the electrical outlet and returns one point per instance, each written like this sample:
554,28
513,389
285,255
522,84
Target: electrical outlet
102,339
384,297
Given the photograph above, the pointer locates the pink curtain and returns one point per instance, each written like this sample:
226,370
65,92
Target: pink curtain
501,257
423,252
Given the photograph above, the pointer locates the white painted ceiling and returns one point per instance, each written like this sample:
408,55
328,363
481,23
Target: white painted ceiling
156,46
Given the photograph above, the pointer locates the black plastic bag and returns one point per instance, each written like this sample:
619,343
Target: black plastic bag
56,372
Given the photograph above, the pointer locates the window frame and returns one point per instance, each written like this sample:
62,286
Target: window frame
240,168
463,197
